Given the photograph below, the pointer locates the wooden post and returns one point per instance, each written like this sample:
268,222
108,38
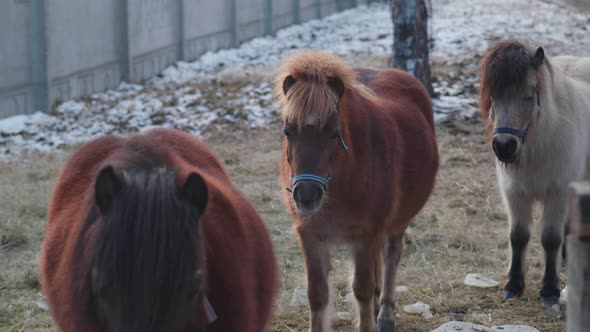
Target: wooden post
578,260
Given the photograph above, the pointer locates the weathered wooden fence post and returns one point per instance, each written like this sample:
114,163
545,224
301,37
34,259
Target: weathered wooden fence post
578,260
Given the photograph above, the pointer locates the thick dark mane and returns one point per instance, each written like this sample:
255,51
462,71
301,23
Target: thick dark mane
504,66
147,233
148,238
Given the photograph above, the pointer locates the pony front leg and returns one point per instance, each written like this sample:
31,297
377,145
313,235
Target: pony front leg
519,210
317,266
554,218
391,258
364,282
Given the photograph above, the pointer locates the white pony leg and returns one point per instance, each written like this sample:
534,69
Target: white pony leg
554,220
519,207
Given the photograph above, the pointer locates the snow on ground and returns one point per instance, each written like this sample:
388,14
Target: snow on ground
230,88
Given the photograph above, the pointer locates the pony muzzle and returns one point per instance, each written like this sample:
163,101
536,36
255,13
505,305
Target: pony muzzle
308,191
506,147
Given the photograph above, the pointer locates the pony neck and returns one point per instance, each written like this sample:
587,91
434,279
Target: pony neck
556,96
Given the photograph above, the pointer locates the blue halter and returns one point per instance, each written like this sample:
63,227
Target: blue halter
519,132
316,178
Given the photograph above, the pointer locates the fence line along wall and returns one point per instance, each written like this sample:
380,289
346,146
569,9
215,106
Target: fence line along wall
59,49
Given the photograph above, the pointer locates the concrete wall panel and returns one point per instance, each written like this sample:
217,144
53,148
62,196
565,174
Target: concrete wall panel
76,48
15,34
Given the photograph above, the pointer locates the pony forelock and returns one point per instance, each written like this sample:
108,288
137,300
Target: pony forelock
312,98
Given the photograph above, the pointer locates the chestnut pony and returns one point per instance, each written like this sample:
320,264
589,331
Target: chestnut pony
148,234
359,162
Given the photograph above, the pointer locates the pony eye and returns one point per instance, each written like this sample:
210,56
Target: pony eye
287,132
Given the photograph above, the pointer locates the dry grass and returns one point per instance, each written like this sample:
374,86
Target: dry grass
461,230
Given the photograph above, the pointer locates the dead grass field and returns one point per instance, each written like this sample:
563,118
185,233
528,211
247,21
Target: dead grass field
461,230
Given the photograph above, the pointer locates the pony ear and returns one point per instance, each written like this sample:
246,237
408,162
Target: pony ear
538,58
336,85
288,83
106,186
195,190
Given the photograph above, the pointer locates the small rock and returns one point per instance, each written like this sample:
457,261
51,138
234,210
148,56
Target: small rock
478,280
349,298
419,308
514,328
42,305
461,326
563,296
299,298
401,289
344,315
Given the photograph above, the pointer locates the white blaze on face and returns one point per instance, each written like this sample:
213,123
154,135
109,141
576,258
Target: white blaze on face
311,120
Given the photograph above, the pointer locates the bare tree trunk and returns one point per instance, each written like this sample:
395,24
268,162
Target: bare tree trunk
410,33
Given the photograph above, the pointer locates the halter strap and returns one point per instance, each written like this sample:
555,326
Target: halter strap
519,132
312,177
516,132
316,178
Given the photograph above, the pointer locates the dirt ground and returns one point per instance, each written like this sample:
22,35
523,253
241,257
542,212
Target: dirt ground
462,229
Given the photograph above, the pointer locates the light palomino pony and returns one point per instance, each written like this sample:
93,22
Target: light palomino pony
359,162
538,110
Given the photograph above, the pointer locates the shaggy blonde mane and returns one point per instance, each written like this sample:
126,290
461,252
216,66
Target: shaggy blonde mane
311,98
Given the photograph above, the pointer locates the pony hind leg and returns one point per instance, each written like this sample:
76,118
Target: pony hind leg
552,236
391,257
378,281
519,209
317,266
364,283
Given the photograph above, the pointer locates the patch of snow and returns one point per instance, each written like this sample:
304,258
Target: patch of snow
20,123
299,298
455,326
41,304
563,296
514,328
419,308
344,315
401,289
196,96
462,327
478,280
349,298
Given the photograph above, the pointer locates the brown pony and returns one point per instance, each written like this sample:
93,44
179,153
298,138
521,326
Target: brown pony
359,162
148,234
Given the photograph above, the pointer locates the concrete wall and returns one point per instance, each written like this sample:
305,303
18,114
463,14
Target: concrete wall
83,46
16,91
62,49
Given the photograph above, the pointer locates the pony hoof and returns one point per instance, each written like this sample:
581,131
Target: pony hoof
549,300
510,295
385,325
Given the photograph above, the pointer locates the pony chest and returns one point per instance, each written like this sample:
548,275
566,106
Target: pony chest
337,229
538,178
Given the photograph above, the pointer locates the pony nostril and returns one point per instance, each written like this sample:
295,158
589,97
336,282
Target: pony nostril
495,145
511,146
307,193
317,194
505,147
